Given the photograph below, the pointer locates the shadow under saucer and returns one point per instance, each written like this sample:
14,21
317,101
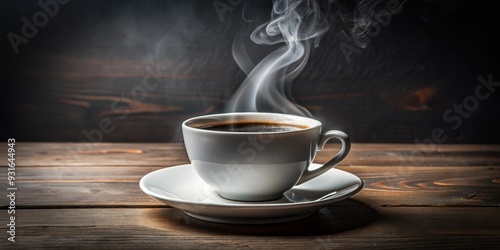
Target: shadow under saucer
342,216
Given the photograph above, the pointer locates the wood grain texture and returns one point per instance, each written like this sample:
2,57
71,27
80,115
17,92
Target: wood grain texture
450,200
93,56
107,174
347,224
169,154
118,186
97,154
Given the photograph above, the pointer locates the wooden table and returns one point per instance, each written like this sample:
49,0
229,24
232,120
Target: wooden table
83,195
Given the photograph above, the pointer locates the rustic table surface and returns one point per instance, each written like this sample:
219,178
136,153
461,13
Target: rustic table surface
83,195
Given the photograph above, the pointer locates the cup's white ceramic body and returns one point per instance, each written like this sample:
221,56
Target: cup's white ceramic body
257,166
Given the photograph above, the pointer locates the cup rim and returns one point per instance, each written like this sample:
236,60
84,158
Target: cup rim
310,122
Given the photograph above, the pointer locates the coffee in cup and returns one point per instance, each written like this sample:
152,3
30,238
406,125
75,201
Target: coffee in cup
254,156
255,127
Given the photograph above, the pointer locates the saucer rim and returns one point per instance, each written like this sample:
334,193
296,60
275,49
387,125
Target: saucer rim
247,205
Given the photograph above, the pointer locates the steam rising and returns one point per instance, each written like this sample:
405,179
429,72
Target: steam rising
299,25
361,16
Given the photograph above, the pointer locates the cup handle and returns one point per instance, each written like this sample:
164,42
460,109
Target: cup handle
344,150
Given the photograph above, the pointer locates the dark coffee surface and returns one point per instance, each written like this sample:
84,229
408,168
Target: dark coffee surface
254,127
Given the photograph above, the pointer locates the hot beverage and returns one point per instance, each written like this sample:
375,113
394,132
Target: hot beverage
255,156
257,127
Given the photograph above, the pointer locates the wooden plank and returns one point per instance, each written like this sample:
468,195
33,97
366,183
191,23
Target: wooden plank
78,99
81,173
85,186
168,154
383,86
347,224
97,154
417,155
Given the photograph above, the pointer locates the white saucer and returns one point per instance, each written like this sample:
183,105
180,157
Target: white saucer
180,187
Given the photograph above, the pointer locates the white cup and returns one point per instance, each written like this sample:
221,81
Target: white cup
257,166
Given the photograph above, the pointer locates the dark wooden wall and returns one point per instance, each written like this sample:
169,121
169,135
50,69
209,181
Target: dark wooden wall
134,70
